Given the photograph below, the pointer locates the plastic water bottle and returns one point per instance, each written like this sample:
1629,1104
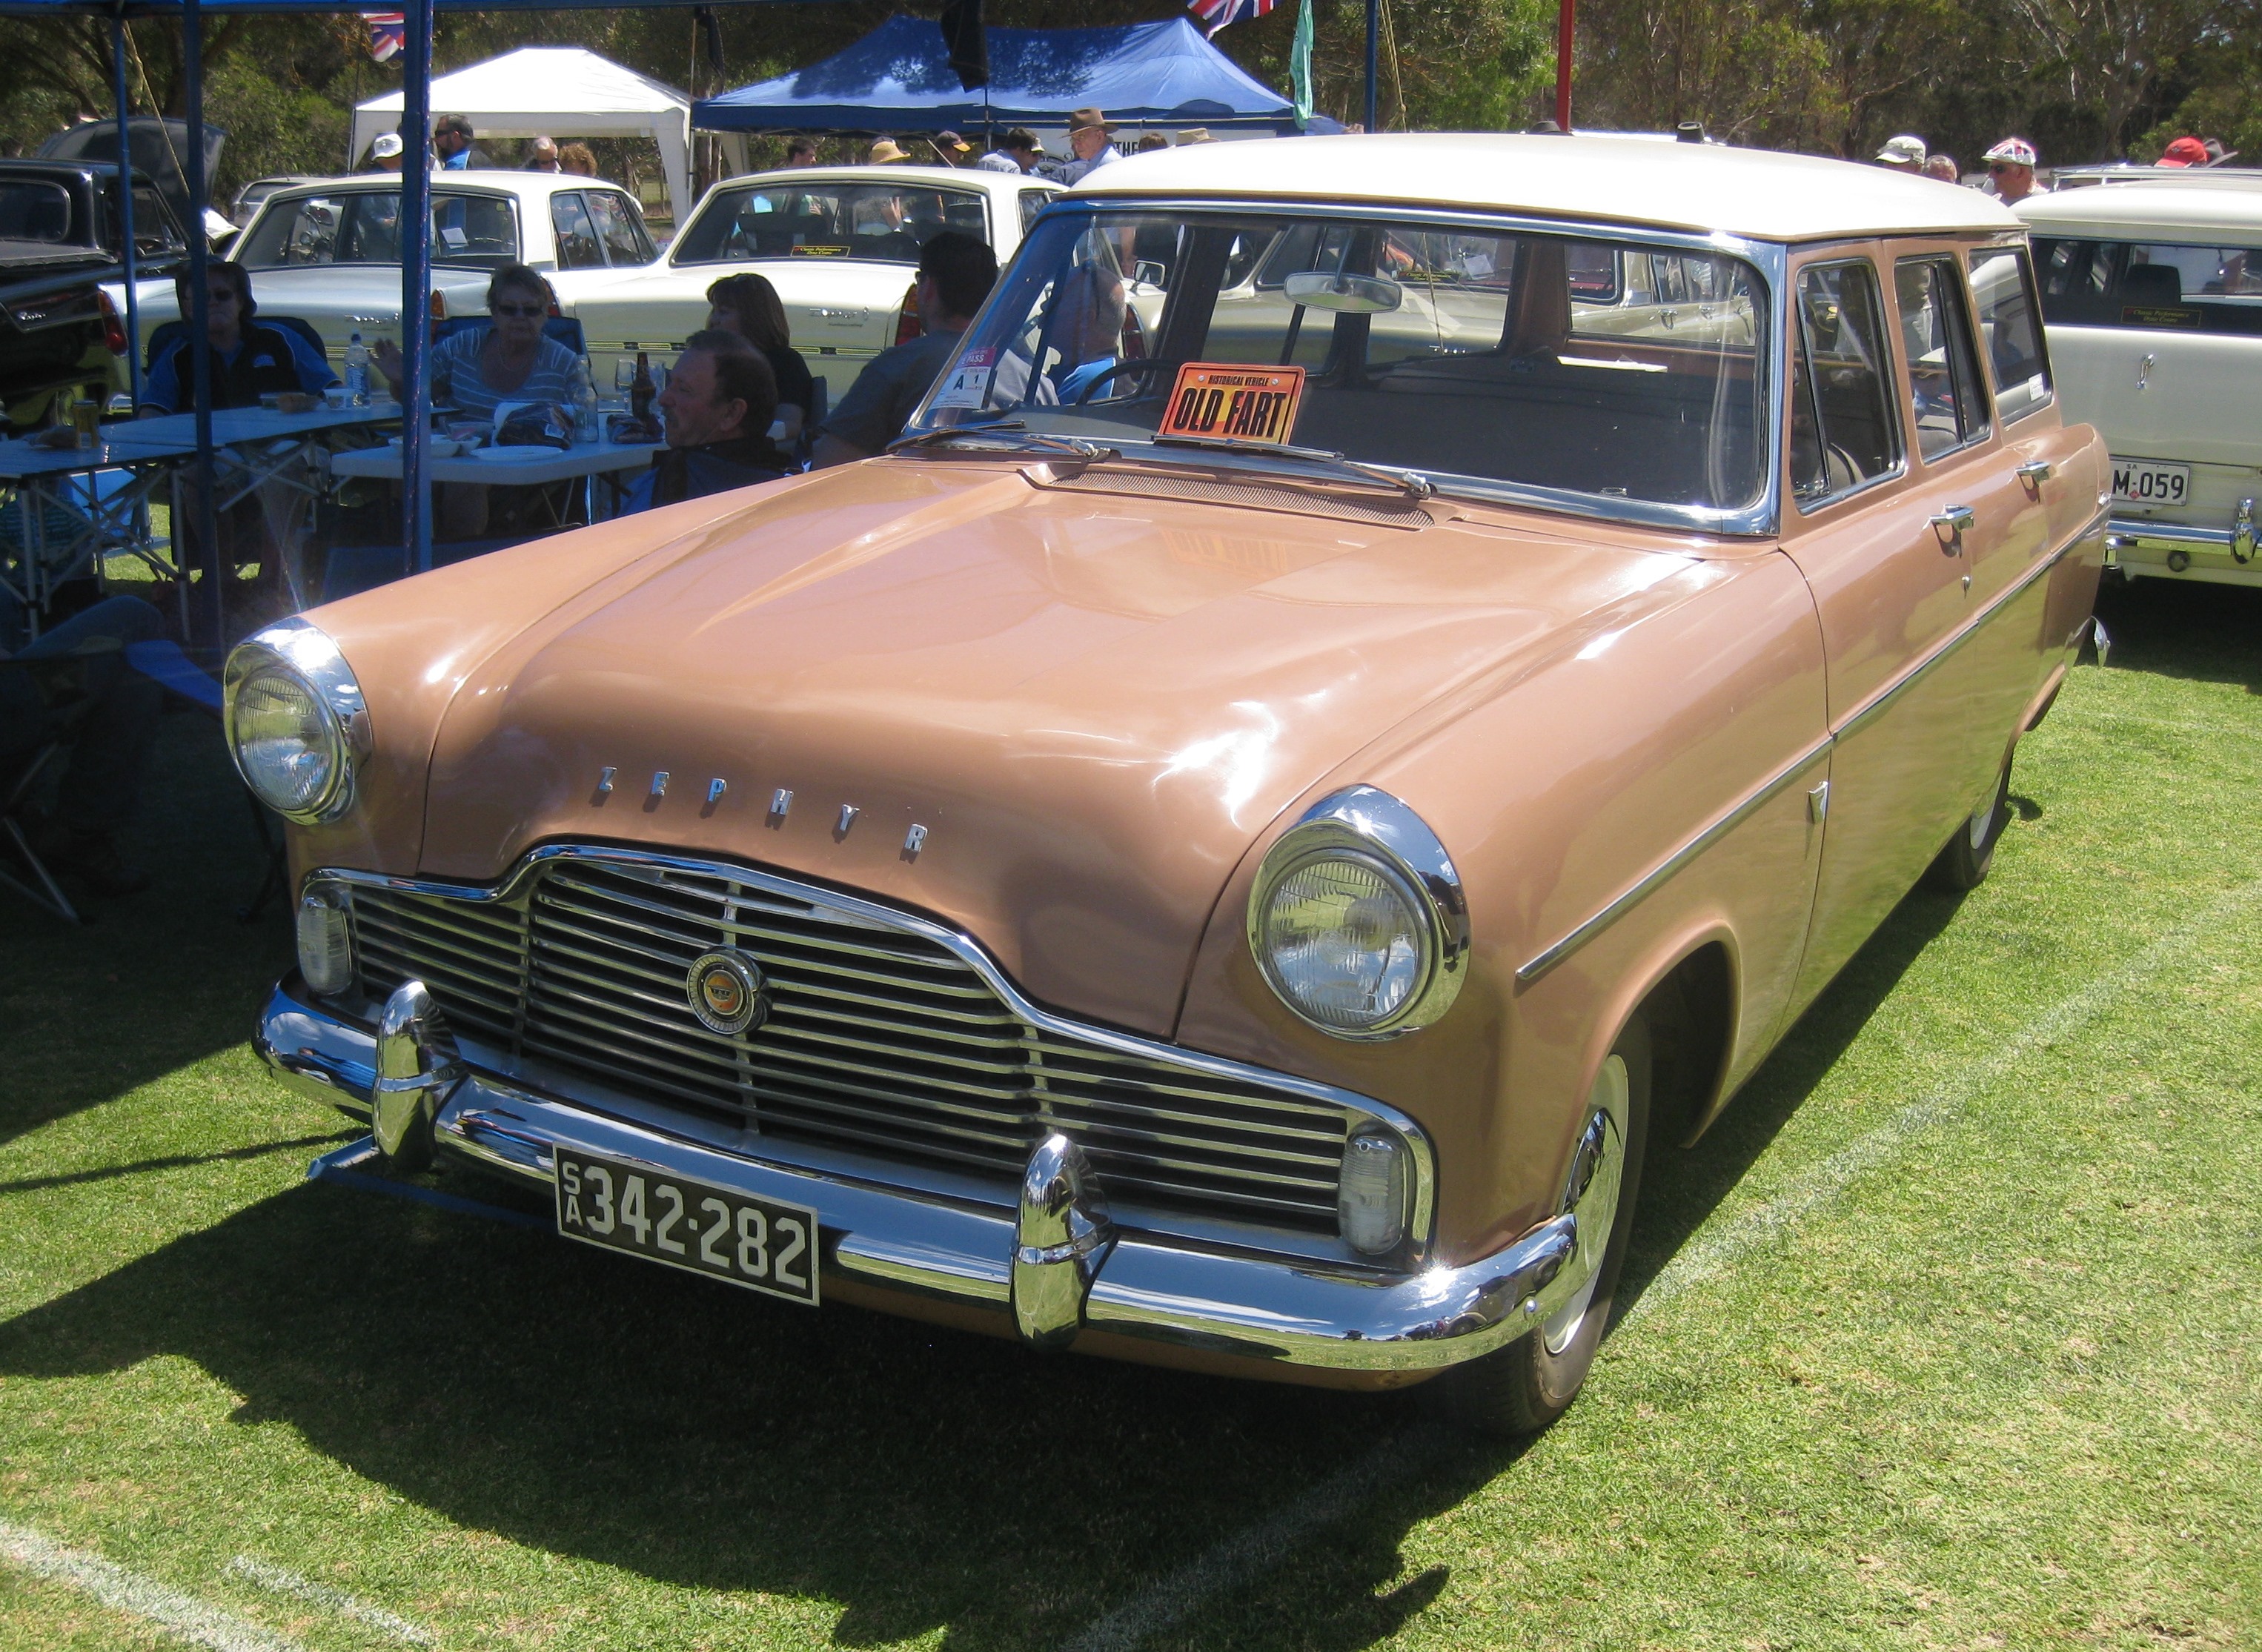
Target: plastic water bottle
585,404
357,372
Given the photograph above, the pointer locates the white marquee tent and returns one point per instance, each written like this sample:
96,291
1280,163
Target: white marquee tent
562,90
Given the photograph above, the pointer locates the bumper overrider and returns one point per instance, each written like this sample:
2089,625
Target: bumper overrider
1055,1270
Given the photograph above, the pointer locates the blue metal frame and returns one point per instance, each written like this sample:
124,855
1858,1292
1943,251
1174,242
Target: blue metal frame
415,287
130,253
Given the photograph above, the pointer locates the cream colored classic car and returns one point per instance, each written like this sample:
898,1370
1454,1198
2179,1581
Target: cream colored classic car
328,252
841,244
2152,295
1237,840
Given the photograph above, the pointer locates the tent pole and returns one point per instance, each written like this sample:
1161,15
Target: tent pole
199,349
125,202
415,286
1373,60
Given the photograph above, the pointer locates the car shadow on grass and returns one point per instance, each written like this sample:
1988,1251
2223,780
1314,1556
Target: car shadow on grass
2194,631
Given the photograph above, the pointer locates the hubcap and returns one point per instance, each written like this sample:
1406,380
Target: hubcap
1591,1193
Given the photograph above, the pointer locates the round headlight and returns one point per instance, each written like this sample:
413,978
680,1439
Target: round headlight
1343,941
295,723
1356,917
286,744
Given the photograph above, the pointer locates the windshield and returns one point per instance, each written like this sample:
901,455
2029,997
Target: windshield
884,222
1604,367
478,231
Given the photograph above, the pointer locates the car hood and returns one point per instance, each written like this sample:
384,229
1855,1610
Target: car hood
1092,703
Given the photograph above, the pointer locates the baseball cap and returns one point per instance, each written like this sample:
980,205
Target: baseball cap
952,141
2012,152
387,146
1905,151
2184,152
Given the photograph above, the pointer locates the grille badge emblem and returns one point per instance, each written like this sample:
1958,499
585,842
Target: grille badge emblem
728,992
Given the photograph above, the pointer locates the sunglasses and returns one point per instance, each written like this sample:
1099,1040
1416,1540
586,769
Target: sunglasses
519,309
2002,166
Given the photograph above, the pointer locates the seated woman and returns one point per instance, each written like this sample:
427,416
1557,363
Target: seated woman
476,369
249,359
748,306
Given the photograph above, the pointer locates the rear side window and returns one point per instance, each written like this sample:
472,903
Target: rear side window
2002,286
577,238
33,211
620,228
1843,432
2158,286
1947,402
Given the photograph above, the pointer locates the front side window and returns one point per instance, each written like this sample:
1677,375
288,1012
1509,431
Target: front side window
154,232
2184,287
478,231
620,228
887,222
1946,401
2002,283
1033,202
1843,431
1476,353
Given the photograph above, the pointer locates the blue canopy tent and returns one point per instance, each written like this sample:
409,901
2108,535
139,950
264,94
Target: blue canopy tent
898,78
415,203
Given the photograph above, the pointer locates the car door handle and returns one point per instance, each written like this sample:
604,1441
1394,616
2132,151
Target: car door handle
2035,471
1956,519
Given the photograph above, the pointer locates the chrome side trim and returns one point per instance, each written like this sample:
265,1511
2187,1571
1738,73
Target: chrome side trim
1706,836
1422,1209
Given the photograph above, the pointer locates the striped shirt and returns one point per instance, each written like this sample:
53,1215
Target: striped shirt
456,383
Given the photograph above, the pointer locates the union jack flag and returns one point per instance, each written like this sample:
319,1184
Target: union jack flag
388,33
1216,14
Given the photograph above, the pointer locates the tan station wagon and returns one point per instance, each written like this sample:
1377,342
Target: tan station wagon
1232,844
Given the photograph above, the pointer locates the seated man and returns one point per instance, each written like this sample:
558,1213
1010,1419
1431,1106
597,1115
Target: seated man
75,679
955,273
720,398
248,360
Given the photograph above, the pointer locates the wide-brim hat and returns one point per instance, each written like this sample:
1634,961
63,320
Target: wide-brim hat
388,144
1089,120
2012,152
1195,134
884,153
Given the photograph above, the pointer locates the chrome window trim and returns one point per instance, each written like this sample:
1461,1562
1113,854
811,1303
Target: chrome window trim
1704,837
1771,259
1808,510
1363,1109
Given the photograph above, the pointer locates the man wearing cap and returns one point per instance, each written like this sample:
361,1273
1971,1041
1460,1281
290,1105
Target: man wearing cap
2011,170
385,153
955,150
1904,154
2184,152
1018,151
1087,136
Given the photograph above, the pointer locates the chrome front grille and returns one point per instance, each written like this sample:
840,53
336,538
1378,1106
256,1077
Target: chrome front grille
881,1040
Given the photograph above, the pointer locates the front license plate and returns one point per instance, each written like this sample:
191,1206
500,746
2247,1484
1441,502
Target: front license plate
702,1228
2142,482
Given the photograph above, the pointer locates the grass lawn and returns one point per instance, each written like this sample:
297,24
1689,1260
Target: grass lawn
1946,1336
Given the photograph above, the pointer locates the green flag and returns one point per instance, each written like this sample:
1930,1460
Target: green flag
1300,63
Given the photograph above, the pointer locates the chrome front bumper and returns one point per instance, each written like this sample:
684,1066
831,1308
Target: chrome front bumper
1137,1284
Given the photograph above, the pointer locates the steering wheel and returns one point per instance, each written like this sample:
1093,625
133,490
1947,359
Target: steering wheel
1135,365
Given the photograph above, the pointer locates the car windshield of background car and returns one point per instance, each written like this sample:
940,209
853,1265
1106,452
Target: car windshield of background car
480,231
36,212
1600,367
2151,285
884,222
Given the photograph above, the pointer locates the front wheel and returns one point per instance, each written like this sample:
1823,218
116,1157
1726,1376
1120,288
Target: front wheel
1522,1388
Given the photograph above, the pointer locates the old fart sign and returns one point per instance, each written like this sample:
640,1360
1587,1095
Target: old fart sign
1225,402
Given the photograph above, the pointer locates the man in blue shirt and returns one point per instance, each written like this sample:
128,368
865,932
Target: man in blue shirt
248,360
452,141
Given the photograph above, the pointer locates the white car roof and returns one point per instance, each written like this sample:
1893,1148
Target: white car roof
491,181
2160,209
951,176
1689,186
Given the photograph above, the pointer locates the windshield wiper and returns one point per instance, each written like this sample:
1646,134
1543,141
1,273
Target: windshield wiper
1412,484
1017,435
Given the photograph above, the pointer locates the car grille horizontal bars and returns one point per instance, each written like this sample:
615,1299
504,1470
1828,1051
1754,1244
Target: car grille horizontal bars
881,1042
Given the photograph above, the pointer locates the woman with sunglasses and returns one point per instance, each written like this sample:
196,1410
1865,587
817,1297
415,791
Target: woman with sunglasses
476,369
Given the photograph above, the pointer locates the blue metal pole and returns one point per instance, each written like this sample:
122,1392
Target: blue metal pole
1373,61
192,72
415,286
125,204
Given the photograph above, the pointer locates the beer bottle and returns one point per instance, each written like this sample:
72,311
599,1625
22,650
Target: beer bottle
640,391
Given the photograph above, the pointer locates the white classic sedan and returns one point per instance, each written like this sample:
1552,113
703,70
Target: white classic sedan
841,244
328,252
2151,293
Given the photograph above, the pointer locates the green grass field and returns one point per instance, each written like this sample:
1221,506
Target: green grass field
1946,1336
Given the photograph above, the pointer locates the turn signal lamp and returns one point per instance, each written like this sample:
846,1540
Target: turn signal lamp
1370,1196
325,945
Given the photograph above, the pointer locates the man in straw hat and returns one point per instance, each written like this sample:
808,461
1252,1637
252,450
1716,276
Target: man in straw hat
886,152
1087,137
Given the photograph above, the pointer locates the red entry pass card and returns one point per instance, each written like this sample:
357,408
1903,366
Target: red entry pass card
1230,403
